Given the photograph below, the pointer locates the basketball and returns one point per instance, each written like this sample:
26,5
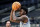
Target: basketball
16,6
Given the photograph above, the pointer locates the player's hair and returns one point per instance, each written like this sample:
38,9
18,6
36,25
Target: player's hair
25,9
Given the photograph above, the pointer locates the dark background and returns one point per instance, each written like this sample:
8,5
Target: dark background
5,8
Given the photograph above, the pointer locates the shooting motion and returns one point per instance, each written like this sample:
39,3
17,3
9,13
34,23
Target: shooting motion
16,6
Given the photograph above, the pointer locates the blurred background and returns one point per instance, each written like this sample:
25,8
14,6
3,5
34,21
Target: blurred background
33,7
32,25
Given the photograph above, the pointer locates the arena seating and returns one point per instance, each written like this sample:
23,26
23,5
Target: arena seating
5,10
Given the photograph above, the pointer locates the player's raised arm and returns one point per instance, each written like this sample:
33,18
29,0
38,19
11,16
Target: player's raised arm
15,6
22,18
11,17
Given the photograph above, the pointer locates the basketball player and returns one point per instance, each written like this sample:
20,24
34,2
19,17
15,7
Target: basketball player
23,18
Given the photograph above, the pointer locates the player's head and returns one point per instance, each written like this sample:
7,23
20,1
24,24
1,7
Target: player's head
23,11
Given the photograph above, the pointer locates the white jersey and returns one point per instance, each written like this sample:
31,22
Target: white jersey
26,24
